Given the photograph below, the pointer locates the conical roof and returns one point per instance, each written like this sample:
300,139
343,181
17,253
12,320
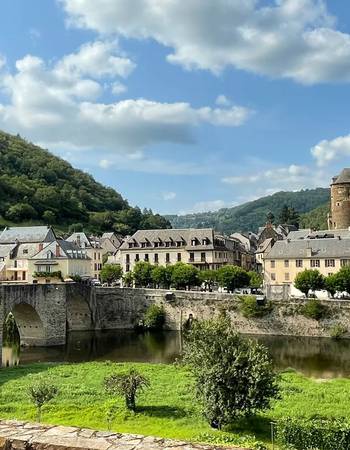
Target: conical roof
344,177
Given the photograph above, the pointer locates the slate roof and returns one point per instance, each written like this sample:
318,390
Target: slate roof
264,245
69,250
320,248
6,249
185,235
26,234
344,177
308,233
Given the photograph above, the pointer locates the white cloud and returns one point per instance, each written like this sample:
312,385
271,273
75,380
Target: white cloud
58,104
34,34
118,88
327,151
222,100
168,195
294,39
2,61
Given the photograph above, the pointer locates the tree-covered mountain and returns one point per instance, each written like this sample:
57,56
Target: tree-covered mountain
317,218
250,216
38,187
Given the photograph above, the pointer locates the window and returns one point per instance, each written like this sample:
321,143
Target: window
344,262
315,263
127,268
299,263
25,251
272,264
167,257
286,276
146,257
286,263
179,257
127,259
191,257
167,244
203,257
330,263
137,257
95,266
205,241
194,242
273,277
156,258
143,244
156,244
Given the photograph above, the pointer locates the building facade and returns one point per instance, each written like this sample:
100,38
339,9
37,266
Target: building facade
93,248
203,248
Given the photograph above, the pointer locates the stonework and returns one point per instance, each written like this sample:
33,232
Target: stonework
340,202
16,435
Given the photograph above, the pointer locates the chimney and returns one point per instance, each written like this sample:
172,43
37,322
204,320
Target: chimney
41,246
78,241
58,254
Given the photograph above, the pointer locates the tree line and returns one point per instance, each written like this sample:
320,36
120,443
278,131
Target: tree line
312,280
181,276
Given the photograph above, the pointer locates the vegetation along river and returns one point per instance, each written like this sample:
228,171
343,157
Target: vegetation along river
315,357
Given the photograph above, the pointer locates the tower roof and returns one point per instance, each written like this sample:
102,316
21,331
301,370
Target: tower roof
344,177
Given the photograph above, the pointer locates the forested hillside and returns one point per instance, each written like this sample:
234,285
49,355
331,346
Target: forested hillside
249,216
38,187
317,218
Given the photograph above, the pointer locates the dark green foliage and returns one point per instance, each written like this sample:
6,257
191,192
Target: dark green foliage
250,309
142,274
127,385
315,433
331,283
154,318
128,279
234,375
342,279
309,280
314,309
289,215
161,276
232,277
256,279
111,273
57,274
251,215
41,392
208,277
10,332
36,185
184,276
316,218
337,331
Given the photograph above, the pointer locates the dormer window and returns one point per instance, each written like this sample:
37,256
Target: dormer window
49,255
194,242
205,241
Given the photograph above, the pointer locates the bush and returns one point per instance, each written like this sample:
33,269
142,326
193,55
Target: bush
313,309
154,317
309,280
230,439
234,375
111,273
250,309
337,331
41,392
57,274
314,433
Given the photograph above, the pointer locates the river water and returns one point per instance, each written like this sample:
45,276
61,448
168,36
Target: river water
315,357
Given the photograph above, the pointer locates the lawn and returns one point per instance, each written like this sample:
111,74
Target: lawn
168,408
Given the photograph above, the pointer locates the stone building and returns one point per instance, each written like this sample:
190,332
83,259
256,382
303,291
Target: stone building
92,247
339,217
204,248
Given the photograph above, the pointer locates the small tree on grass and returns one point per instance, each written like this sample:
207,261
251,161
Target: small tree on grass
127,385
40,393
111,273
234,375
309,280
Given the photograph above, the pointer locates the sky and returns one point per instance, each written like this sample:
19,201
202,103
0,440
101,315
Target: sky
182,106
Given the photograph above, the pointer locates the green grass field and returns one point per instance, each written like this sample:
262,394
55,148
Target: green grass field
168,408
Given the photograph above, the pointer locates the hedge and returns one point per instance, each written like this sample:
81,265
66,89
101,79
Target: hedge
315,433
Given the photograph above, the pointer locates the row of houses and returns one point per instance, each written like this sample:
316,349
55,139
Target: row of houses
36,254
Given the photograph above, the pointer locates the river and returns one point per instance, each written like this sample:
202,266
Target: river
314,357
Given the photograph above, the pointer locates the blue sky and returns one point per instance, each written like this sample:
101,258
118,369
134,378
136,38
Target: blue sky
182,107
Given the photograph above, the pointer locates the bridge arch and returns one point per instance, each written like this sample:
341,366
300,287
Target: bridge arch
30,326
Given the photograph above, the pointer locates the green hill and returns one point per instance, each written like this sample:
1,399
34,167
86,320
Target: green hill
38,187
317,218
249,216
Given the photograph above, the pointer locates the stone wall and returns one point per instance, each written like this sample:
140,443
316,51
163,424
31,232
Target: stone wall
16,435
124,308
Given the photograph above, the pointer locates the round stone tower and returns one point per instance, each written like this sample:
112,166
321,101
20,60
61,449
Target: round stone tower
340,201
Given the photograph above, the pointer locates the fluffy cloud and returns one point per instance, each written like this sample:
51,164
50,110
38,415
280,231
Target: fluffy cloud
168,195
294,39
327,151
58,104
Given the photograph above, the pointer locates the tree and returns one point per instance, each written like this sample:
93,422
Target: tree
111,273
208,277
270,218
127,385
343,279
289,215
49,217
233,277
154,317
332,283
184,276
142,273
128,279
309,280
41,392
21,211
234,375
255,279
161,276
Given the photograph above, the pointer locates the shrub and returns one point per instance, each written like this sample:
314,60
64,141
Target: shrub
337,331
313,309
127,385
57,274
234,375
249,307
231,439
314,433
154,317
309,280
111,273
41,392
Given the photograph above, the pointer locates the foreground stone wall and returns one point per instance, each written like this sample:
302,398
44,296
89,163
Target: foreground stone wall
30,436
123,308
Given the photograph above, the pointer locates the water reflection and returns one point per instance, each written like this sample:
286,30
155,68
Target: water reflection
316,357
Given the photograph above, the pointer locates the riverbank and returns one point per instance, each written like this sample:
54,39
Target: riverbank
167,409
